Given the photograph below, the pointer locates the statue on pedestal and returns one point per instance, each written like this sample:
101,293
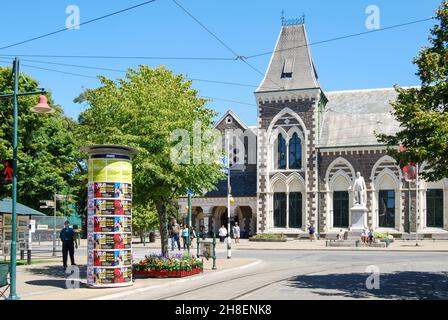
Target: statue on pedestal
360,190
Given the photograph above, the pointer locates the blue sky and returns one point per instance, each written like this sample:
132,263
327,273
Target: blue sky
249,27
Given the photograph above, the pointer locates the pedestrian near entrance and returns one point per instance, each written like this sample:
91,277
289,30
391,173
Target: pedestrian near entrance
236,232
67,236
222,233
174,234
185,236
312,232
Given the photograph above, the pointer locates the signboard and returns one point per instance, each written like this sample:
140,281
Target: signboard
32,226
42,227
109,223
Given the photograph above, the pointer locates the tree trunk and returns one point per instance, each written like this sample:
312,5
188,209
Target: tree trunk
141,236
161,211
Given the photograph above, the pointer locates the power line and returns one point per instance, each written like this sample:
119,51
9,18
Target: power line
125,71
342,37
207,29
78,25
118,57
237,56
53,70
228,100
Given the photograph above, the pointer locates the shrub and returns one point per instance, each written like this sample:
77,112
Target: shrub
178,262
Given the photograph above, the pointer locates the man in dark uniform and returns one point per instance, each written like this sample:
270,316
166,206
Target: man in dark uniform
68,239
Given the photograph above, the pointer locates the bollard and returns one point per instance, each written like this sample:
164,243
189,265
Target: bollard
28,256
214,252
39,238
197,239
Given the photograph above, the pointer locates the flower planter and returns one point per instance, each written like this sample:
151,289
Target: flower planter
166,273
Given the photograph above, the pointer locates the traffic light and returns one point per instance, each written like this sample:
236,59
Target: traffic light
7,171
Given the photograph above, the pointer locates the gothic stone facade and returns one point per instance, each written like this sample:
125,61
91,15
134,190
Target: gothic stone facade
309,146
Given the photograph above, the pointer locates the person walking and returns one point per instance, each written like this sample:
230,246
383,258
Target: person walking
174,234
236,232
185,236
67,236
222,233
312,232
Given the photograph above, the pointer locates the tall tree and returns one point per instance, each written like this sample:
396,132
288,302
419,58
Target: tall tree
48,156
423,112
143,111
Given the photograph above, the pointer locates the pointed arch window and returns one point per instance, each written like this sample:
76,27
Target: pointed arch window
295,152
281,152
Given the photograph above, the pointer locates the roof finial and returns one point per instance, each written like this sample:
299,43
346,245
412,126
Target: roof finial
291,22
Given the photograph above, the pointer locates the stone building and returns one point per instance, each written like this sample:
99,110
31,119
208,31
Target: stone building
309,145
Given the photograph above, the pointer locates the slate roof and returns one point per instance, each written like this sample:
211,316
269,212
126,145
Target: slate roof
352,117
298,60
243,184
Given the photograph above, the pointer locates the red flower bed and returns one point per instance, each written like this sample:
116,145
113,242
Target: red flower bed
165,273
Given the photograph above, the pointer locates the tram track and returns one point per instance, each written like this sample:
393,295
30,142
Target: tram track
240,295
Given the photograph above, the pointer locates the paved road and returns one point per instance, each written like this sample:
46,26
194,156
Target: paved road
319,275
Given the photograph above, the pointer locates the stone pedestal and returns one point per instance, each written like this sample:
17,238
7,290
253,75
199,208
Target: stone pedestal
358,222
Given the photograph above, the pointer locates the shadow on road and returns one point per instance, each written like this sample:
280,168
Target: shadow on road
57,283
399,285
57,271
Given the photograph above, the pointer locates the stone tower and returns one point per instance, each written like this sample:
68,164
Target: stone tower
290,102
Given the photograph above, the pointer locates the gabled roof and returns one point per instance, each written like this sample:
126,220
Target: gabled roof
296,61
234,116
352,117
6,207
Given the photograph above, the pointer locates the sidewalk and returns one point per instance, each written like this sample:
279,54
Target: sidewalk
47,281
397,245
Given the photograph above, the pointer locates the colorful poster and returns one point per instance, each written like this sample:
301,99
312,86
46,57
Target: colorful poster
112,207
112,241
111,224
114,258
110,276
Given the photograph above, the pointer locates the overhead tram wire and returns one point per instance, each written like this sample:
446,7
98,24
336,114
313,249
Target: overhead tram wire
237,56
125,71
117,57
78,25
343,37
53,70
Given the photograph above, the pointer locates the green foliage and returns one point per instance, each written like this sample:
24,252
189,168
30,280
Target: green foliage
48,156
144,216
423,112
142,111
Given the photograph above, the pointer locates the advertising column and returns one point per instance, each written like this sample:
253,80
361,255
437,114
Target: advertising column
109,221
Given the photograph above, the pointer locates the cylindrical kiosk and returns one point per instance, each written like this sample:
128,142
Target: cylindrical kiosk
109,217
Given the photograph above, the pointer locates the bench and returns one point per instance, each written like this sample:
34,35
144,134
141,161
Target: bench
4,283
439,236
331,236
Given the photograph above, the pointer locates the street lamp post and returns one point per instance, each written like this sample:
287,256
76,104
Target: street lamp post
190,194
41,107
229,195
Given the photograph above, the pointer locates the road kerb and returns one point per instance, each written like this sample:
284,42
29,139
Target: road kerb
129,292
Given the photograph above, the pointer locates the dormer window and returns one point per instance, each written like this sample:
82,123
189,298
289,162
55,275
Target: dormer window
288,66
